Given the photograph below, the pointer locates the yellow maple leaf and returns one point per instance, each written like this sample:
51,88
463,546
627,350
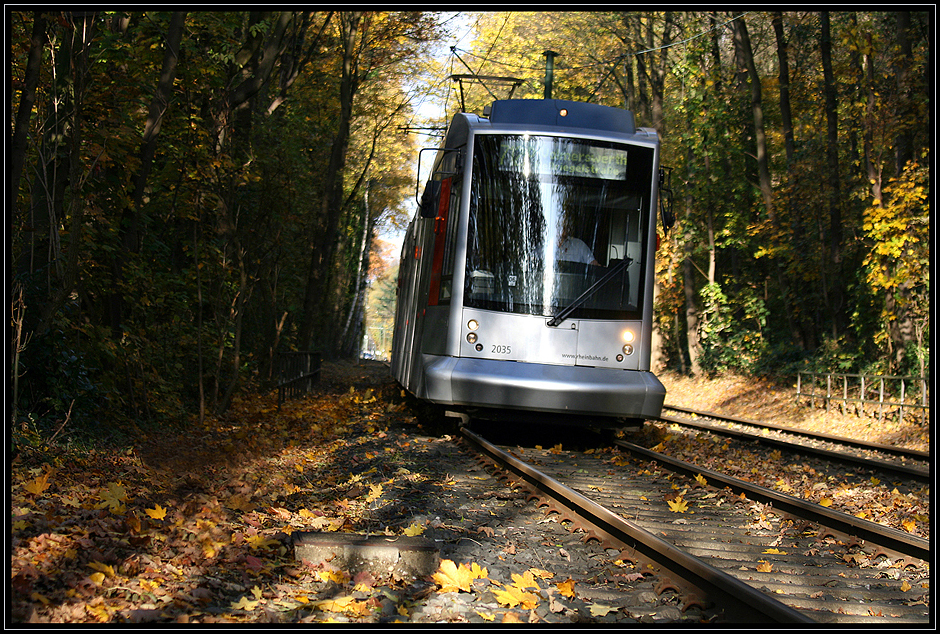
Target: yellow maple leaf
414,530
486,617
478,571
100,612
337,604
106,570
678,505
566,588
453,578
525,581
764,566
260,541
157,512
875,481
701,479
244,604
774,551
113,498
513,596
97,577
40,484
825,502
336,576
541,574
905,586
375,492
909,525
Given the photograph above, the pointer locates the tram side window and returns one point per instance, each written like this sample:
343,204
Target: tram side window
447,266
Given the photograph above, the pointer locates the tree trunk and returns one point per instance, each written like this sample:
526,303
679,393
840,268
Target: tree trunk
158,107
742,45
27,99
362,270
837,292
79,41
904,142
324,241
872,164
786,121
130,229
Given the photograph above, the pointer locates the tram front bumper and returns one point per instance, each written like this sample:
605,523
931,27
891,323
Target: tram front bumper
541,387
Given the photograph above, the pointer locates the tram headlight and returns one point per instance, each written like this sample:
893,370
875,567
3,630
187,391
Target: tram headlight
628,337
473,324
628,349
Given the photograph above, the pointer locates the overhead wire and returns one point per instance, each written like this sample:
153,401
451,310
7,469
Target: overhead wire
613,61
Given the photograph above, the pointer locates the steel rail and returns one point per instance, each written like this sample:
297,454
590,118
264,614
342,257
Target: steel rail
890,539
870,463
741,601
852,442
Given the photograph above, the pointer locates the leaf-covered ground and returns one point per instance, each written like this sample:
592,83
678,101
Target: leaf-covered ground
194,526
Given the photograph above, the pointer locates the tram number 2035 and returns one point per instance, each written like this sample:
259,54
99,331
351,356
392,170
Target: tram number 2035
498,349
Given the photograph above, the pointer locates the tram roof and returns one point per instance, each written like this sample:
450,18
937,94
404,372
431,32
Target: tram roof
562,113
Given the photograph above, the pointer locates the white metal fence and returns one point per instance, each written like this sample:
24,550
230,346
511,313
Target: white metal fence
866,394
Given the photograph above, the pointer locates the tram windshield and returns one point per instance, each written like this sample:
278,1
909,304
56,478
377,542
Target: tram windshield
557,225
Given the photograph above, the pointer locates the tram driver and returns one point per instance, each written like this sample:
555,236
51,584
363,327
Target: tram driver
570,248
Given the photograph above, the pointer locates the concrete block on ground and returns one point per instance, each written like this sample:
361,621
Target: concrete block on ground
402,557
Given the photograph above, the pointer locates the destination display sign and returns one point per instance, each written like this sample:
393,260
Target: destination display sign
561,157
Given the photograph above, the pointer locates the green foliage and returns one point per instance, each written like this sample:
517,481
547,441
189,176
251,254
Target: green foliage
732,333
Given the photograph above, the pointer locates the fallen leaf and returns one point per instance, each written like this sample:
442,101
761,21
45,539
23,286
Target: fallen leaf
525,581
513,596
244,604
453,578
764,566
414,530
336,576
602,610
157,512
105,569
113,498
40,484
678,505
566,588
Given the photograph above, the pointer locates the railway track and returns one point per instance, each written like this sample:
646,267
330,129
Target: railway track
877,457
750,555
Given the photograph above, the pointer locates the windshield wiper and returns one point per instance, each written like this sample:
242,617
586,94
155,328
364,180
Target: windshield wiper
573,306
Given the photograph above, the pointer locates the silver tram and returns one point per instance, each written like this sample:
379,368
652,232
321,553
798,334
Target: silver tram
526,277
